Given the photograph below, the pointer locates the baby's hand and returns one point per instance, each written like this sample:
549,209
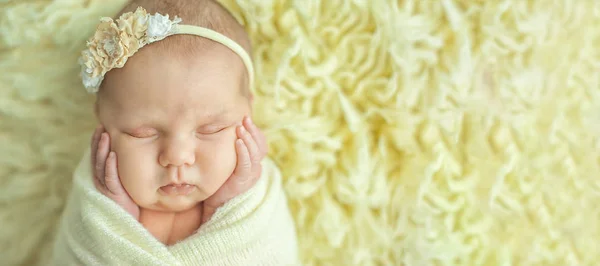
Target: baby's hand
106,176
251,148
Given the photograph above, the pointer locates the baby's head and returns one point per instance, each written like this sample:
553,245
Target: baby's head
172,110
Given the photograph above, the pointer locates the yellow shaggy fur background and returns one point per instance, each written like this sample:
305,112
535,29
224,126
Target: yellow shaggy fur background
409,132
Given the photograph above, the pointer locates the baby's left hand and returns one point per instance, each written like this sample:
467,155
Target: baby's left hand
251,148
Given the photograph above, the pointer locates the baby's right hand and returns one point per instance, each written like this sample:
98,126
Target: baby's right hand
106,177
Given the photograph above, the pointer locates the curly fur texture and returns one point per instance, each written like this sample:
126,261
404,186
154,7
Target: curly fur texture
416,132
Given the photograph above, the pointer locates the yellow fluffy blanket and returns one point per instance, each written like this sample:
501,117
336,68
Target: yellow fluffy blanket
413,132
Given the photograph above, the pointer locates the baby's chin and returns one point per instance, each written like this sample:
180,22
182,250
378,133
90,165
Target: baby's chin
174,203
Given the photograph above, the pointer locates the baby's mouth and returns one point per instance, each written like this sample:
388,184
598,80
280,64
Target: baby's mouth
177,189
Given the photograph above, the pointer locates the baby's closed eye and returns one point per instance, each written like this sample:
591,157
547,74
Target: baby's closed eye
213,129
143,133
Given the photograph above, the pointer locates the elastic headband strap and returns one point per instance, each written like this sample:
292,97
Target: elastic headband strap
222,39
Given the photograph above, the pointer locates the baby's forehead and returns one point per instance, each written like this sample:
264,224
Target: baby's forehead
174,87
185,104
175,66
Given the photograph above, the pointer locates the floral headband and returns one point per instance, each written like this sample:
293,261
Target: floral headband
115,41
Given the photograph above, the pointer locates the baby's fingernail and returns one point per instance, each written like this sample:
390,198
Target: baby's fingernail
243,130
111,155
249,120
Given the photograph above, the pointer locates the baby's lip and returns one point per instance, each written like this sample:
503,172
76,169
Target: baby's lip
177,184
180,189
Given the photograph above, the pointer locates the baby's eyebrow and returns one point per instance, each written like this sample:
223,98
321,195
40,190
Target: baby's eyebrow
222,113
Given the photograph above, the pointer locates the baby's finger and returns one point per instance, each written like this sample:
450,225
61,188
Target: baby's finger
95,140
257,135
112,181
244,165
99,186
101,155
255,154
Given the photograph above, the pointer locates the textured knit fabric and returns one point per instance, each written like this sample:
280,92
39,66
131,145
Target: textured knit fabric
254,228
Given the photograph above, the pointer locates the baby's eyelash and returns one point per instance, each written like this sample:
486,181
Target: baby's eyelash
140,137
212,130
143,134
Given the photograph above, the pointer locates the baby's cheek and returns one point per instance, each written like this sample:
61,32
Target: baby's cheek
218,162
136,169
227,156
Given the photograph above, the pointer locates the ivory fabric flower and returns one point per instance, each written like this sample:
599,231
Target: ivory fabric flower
116,40
89,72
133,27
160,26
107,46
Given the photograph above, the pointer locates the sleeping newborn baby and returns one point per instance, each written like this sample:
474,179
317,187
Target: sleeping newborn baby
176,118
179,171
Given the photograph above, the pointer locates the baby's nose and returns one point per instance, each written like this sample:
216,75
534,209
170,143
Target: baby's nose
177,153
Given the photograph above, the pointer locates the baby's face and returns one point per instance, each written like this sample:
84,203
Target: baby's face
173,121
